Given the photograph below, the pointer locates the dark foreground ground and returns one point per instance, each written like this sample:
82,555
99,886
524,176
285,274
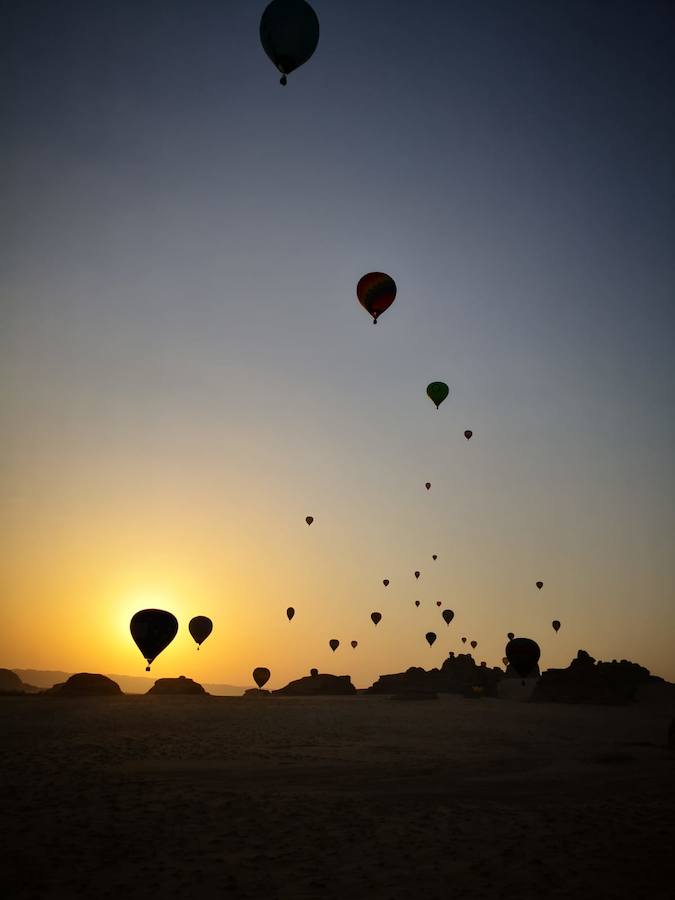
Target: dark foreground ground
334,798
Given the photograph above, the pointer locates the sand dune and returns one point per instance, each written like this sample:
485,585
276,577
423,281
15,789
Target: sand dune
335,797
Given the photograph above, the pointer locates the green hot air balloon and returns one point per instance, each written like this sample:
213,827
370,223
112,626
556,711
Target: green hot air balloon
153,630
200,628
437,391
289,34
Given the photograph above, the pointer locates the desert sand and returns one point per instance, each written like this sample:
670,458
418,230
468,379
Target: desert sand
143,796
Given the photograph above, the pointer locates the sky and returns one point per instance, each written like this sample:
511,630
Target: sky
185,372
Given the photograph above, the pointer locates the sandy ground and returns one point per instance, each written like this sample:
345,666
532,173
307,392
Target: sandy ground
337,798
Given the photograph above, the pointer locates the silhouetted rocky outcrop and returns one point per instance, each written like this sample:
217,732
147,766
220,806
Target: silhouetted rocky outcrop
585,681
86,685
10,683
315,685
256,693
458,675
176,686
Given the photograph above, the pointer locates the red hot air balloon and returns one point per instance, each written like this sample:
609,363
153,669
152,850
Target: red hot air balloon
468,435
386,582
417,574
376,292
333,643
261,676
200,628
540,584
417,602
427,485
376,617
153,630
448,615
556,625
309,519
431,637
290,612
474,644
355,644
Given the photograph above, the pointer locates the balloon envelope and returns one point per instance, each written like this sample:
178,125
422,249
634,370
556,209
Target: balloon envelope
417,574
417,602
510,635
434,556
290,612
556,625
153,630
468,435
376,292
540,584
385,582
523,654
437,391
200,628
448,615
355,644
309,519
427,485
474,644
289,34
431,637
261,676
333,643
376,617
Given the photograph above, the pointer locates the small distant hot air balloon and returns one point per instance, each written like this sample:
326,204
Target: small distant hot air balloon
200,628
153,630
437,391
417,574
448,615
464,640
289,33
556,625
540,584
427,485
333,643
510,635
261,676
474,644
417,602
523,654
355,644
376,292
385,582
376,617
290,612
434,556
313,672
505,660
431,637
309,519
439,603
468,435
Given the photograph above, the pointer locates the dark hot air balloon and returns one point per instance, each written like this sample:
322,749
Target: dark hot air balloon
431,637
355,644
437,391
474,644
386,582
464,640
261,676
313,672
153,630
309,519
439,603
200,628
290,612
540,584
468,435
427,485
448,615
417,574
556,625
510,635
505,660
376,292
434,557
376,617
417,602
333,643
289,33
523,654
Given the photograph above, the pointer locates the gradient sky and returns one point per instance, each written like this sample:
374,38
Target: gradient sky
185,373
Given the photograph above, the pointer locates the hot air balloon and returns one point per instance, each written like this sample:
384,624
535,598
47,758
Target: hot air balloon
333,643
523,654
464,640
556,625
153,630
431,637
313,672
474,644
309,519
448,615
417,602
510,635
200,628
355,644
505,660
540,584
417,574
434,557
261,676
468,435
375,616
439,603
376,292
290,612
437,391
289,33
427,485
386,582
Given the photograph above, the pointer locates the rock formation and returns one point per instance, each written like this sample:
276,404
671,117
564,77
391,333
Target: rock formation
585,681
86,685
10,683
176,686
316,685
458,675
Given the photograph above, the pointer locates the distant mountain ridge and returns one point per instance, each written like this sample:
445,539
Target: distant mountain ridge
130,684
